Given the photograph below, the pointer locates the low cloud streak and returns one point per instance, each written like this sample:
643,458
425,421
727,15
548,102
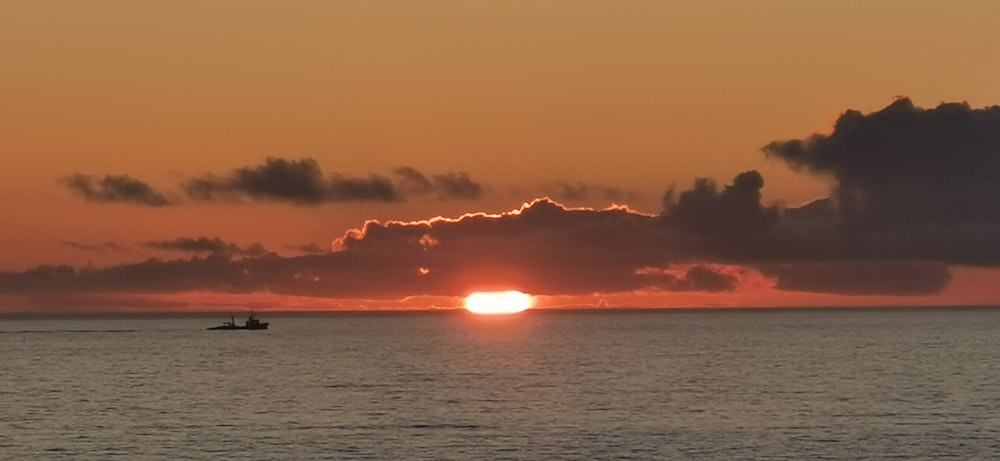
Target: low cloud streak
205,245
302,182
114,189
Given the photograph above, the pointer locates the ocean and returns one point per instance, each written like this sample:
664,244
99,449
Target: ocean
574,385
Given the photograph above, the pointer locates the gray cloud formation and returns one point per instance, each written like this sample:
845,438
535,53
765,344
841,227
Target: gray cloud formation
105,246
907,165
114,189
302,182
699,277
704,278
909,182
308,248
541,248
299,182
861,278
915,190
447,185
206,245
735,208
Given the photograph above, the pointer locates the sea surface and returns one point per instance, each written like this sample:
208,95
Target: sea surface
669,384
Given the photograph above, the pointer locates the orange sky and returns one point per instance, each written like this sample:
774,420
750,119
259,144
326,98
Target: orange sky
637,96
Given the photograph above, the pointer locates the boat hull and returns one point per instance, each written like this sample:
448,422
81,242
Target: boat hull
262,326
252,323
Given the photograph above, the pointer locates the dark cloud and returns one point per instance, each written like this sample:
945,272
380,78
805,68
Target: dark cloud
114,189
736,208
861,278
254,249
705,278
909,182
296,181
308,248
457,185
105,246
206,245
818,211
542,248
300,182
303,182
907,165
914,191
454,185
700,277
413,181
194,245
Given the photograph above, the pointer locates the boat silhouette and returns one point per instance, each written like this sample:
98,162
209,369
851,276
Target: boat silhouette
252,323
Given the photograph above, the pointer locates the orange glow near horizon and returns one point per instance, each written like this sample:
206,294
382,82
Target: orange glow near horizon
498,303
497,106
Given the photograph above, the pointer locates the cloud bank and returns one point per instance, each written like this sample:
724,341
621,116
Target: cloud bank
914,191
215,246
297,182
909,182
542,248
302,182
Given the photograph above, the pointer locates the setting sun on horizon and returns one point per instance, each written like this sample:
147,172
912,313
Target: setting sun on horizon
361,155
531,229
498,302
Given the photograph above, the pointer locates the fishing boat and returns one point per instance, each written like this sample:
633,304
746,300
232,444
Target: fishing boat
252,323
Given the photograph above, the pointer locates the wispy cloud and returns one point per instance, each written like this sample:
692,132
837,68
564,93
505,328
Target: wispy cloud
114,189
205,245
308,248
300,182
303,182
104,246
444,186
294,181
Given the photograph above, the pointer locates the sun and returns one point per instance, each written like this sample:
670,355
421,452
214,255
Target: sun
498,302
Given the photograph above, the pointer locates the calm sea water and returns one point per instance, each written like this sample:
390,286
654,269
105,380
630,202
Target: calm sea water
730,384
